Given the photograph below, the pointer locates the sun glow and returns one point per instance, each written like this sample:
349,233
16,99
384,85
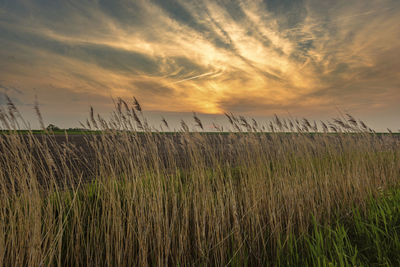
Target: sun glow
257,58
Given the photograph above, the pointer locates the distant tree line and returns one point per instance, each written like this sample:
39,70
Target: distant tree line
52,127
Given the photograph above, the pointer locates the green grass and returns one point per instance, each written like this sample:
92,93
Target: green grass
57,132
362,237
367,237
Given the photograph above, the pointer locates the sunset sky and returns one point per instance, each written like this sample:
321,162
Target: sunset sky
254,58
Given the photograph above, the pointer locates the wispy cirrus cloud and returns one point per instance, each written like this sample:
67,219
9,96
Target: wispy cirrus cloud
256,57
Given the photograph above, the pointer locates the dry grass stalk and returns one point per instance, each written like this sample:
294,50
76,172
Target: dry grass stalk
181,198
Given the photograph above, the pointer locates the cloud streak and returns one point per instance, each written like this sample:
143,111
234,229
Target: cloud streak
256,57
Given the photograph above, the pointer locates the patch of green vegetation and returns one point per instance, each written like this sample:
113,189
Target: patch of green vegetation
363,237
369,237
55,132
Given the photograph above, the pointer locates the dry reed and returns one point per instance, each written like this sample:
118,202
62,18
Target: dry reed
185,198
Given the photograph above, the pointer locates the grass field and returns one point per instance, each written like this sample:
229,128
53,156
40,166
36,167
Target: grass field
243,198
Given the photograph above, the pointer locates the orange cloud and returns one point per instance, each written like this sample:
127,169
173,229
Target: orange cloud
255,57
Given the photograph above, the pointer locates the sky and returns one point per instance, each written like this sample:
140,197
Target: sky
303,58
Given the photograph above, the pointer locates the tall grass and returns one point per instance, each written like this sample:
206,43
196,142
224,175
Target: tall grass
299,194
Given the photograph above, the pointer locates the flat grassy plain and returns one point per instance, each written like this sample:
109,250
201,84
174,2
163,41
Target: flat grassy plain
301,194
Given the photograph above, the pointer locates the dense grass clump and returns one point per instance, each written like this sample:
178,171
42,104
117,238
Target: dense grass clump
128,195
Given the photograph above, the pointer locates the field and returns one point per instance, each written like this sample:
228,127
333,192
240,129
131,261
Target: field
286,193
